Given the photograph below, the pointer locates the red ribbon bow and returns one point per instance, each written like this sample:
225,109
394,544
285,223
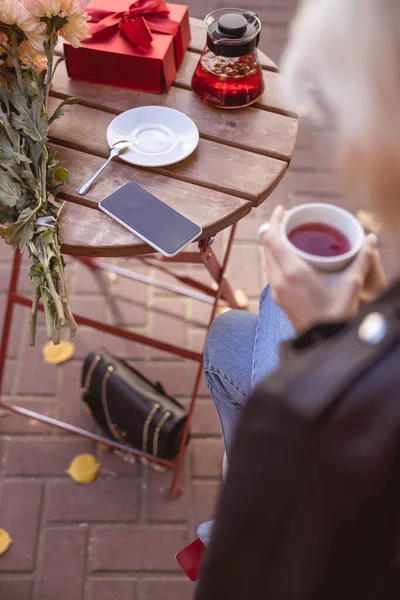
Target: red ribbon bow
137,23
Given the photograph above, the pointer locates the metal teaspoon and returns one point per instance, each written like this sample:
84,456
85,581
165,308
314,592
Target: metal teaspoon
116,150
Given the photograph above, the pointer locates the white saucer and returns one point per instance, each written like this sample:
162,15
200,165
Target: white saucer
158,136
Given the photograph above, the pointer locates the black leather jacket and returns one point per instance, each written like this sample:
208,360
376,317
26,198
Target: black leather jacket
311,506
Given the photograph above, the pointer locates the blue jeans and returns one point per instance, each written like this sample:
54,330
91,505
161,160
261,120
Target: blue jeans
241,349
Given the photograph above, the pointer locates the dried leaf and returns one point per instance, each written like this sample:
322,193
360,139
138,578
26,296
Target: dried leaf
5,541
30,120
221,310
241,299
370,221
58,354
60,110
84,468
10,190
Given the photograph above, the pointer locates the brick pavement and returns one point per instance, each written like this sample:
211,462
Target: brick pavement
117,537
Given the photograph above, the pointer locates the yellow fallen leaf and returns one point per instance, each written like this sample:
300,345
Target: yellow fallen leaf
370,221
241,299
84,468
221,310
55,355
5,541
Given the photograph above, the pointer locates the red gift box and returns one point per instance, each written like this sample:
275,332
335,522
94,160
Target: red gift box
137,45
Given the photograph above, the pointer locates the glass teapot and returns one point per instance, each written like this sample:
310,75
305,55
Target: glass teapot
229,73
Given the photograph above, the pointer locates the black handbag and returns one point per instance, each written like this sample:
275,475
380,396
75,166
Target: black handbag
129,408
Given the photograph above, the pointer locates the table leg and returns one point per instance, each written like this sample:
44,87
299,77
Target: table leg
8,315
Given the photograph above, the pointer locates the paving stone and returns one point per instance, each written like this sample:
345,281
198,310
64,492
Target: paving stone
205,496
247,230
112,589
205,419
130,301
20,510
93,307
18,327
63,561
200,315
320,184
104,500
136,549
112,464
42,456
167,589
248,277
12,423
167,324
15,588
207,458
36,376
197,339
9,377
159,506
89,281
6,252
89,340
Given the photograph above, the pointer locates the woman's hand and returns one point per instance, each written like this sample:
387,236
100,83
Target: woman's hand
308,296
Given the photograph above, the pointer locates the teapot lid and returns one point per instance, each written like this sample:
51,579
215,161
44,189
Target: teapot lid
232,32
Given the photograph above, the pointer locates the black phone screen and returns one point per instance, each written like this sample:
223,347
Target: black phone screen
151,219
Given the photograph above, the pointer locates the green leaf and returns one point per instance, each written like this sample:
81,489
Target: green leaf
10,190
30,120
60,112
61,174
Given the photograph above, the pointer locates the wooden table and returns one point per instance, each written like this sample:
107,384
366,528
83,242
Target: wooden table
242,156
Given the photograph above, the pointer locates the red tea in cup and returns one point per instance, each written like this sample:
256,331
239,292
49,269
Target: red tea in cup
319,239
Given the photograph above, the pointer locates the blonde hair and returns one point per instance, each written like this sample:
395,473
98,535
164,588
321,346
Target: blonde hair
347,53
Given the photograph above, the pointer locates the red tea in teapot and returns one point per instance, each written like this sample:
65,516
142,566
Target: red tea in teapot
227,82
229,73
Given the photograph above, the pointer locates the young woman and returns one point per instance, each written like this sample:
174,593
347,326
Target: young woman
292,525
333,49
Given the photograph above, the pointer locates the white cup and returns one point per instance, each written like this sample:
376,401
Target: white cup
327,214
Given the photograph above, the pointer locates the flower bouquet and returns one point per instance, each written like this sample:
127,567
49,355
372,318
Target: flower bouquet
30,174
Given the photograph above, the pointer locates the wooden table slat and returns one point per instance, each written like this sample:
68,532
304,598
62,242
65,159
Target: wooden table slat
93,233
249,129
223,168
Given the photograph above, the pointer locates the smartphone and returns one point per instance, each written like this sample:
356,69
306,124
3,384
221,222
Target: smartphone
150,219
